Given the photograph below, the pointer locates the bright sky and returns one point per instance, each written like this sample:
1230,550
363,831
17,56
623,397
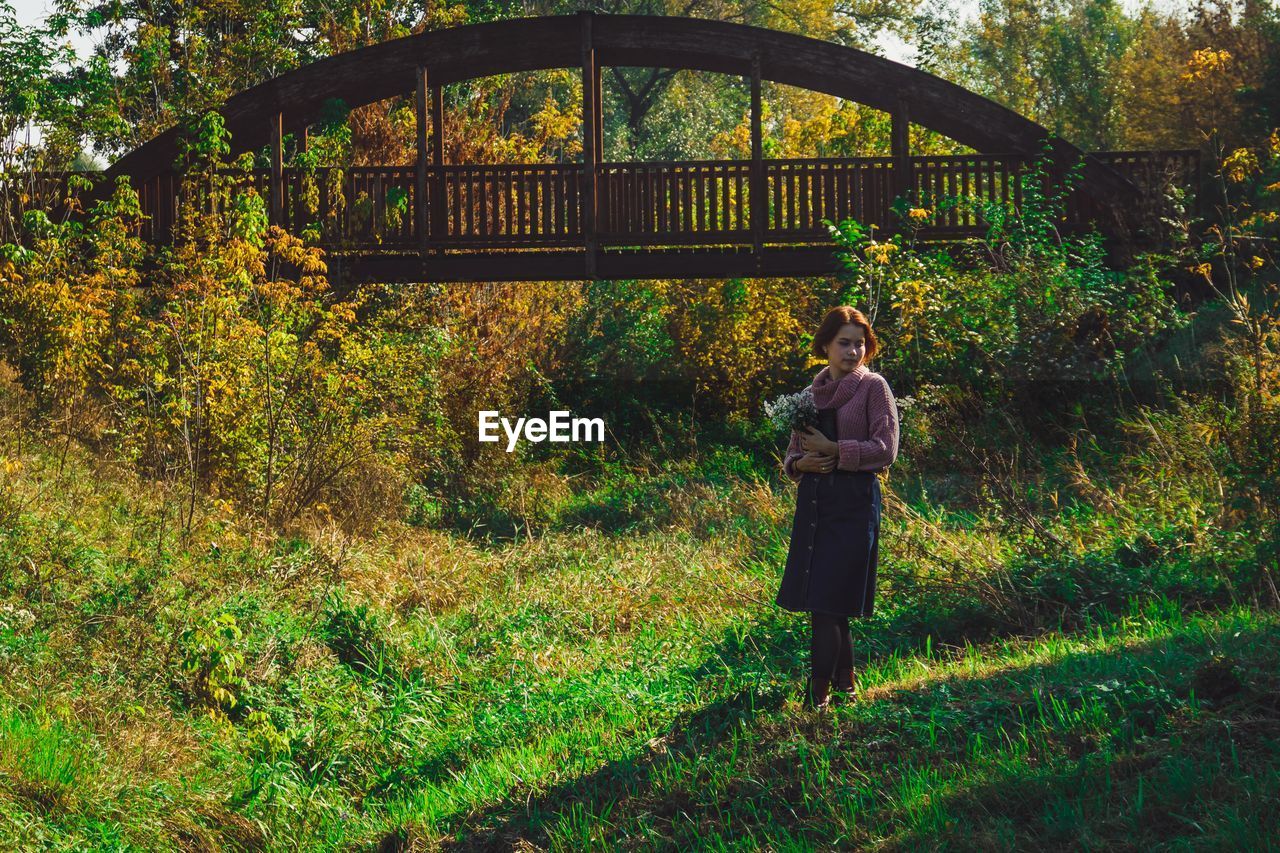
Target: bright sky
31,12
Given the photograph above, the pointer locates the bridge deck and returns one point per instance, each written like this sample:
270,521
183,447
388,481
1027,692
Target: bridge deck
669,219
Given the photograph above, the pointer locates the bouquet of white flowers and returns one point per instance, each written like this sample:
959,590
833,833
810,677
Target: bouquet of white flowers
793,411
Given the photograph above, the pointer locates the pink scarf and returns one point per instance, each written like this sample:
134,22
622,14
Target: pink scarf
830,394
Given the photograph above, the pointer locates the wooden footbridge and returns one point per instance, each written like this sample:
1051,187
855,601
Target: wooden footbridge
437,221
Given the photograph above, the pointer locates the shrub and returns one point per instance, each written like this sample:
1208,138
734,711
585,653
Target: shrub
214,665
355,635
1024,314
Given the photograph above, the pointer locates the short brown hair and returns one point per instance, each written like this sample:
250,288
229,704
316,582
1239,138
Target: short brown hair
837,318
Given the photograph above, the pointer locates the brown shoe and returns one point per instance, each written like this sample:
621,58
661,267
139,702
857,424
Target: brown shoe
817,693
842,688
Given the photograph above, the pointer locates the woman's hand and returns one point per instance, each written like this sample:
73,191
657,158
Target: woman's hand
813,441
815,463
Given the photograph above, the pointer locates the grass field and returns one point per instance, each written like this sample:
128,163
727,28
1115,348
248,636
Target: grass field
577,688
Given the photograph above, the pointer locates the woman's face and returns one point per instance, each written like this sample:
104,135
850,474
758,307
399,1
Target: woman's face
846,350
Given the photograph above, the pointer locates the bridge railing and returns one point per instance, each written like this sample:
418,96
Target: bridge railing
1154,173
482,206
44,191
690,203
679,203
506,205
801,193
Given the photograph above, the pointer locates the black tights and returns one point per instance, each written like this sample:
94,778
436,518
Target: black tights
832,645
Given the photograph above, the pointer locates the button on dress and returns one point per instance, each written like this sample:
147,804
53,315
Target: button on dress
831,562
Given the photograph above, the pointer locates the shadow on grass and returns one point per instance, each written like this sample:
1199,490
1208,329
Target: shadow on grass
622,500
1175,774
1139,686
1058,589
1204,788
767,647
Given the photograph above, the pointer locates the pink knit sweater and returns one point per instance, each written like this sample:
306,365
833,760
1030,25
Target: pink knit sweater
867,423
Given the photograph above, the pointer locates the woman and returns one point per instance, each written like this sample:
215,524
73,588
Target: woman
835,536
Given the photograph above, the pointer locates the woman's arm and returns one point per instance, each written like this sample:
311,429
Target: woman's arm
881,447
794,452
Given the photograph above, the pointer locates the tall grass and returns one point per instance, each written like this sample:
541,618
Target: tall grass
617,675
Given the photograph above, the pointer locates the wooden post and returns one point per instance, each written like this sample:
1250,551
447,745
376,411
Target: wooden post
590,82
304,139
758,186
599,105
900,150
277,168
438,222
420,193
599,135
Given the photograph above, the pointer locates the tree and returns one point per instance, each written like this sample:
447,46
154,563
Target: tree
1080,94
1150,84
45,96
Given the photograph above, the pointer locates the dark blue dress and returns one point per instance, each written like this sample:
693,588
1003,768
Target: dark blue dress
835,536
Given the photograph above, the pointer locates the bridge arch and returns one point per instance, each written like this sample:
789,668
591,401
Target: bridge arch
452,55
262,115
